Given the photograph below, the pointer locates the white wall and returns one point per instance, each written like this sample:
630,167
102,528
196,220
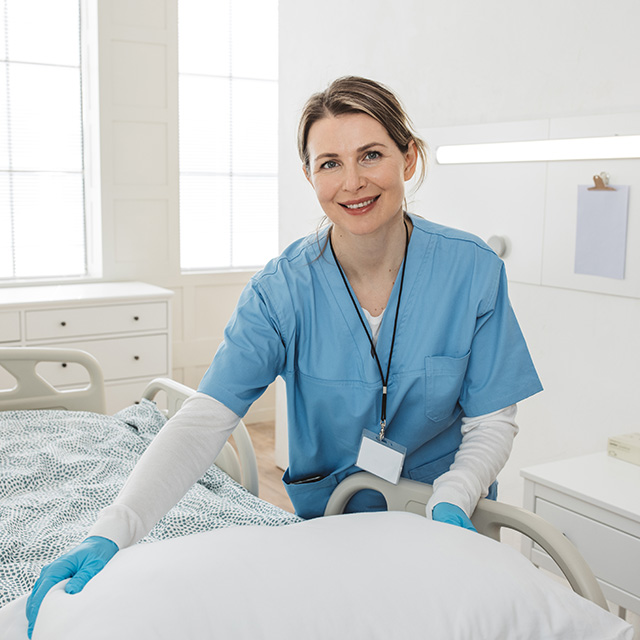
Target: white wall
463,62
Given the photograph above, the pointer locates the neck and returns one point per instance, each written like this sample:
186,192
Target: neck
372,264
372,257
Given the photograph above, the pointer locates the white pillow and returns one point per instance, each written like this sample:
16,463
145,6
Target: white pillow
369,576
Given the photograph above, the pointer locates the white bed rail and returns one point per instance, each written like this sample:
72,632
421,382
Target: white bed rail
242,465
32,391
488,518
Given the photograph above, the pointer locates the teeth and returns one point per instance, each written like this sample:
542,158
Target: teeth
360,205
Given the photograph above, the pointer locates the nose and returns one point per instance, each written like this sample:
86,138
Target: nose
354,178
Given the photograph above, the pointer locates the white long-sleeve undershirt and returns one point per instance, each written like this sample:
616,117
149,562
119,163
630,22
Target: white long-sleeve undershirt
486,444
176,459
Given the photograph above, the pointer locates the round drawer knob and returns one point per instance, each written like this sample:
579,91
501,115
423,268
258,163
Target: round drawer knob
136,318
63,324
136,357
64,365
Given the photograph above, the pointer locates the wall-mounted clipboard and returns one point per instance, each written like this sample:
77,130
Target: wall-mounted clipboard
601,230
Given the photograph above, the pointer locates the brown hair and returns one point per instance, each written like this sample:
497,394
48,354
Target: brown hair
352,94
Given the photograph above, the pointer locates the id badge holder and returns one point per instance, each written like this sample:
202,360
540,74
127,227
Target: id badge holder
382,457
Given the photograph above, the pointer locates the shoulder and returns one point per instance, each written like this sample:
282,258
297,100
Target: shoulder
302,252
450,238
459,260
286,284
291,274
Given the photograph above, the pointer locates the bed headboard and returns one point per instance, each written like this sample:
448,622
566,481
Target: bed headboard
32,391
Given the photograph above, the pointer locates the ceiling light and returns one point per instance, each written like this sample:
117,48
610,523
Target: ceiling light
611,147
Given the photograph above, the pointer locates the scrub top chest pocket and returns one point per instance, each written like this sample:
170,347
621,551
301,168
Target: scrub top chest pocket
444,377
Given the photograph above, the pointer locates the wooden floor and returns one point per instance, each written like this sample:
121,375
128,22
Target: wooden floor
271,487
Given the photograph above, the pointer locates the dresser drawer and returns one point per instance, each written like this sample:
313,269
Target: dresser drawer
120,358
81,321
9,326
612,554
121,395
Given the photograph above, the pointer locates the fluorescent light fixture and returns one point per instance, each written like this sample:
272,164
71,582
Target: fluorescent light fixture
611,147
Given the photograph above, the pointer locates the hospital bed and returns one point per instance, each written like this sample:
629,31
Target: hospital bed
227,496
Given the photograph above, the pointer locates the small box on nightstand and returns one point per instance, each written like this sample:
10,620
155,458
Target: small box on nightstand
625,447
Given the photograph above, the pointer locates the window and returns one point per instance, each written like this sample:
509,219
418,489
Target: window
228,105
42,212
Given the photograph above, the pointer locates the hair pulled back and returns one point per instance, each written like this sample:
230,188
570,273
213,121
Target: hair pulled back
353,94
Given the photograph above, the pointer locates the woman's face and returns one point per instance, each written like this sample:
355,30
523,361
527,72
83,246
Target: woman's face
358,172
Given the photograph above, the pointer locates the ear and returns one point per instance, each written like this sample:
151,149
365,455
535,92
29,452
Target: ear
307,175
410,161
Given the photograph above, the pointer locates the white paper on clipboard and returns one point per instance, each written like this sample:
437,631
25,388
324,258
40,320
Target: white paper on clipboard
601,234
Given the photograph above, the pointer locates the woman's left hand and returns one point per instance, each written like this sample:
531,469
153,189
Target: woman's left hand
451,514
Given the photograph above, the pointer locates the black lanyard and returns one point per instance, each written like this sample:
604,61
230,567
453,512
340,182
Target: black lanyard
374,353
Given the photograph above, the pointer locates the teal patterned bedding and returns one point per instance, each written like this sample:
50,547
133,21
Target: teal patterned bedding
58,469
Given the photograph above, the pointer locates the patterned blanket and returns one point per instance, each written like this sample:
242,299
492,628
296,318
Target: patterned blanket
59,468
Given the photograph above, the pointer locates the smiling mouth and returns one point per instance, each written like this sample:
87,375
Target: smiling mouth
360,205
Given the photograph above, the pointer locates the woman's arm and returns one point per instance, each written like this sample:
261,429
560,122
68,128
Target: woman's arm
177,457
486,444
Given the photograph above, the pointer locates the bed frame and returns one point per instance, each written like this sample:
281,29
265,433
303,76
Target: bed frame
33,392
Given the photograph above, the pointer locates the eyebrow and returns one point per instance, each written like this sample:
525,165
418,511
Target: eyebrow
358,150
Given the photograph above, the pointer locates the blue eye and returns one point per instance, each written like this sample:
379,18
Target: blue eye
329,164
372,155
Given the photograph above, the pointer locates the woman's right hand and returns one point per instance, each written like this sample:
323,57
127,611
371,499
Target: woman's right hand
80,564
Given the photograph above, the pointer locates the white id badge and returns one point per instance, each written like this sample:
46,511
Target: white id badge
383,458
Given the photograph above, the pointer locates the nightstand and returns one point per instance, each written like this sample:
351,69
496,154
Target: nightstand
595,501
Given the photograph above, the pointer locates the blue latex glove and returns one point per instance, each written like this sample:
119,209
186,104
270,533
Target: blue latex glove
451,514
80,564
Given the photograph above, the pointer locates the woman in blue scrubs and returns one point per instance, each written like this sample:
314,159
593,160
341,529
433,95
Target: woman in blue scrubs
378,299
394,336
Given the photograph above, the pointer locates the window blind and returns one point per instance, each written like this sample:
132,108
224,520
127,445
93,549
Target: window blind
228,117
42,212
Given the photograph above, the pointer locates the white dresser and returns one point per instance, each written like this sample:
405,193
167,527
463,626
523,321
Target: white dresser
595,501
125,325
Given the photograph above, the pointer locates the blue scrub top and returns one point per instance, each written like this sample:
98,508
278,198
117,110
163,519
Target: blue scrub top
458,352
